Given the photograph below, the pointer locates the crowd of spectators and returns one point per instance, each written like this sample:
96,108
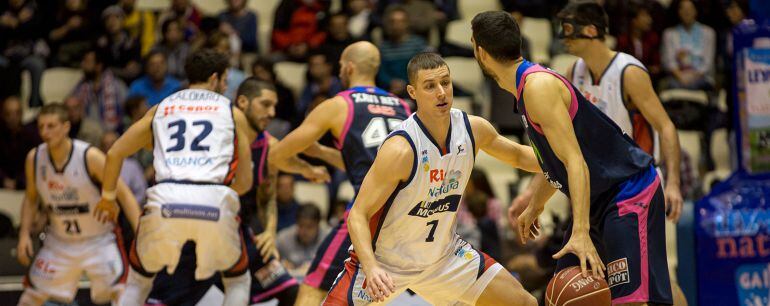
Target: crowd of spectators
132,58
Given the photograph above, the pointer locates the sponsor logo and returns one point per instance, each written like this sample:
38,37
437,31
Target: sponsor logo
464,253
437,175
554,183
74,209
69,194
460,148
54,185
753,284
268,274
381,110
190,211
364,296
171,109
43,269
617,272
425,160
426,209
188,161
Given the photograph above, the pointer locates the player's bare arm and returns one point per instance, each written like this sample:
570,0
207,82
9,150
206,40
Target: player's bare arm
95,161
267,212
296,165
547,100
637,85
29,210
379,183
244,177
138,136
329,155
322,119
501,148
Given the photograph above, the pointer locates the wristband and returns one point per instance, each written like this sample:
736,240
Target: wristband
109,195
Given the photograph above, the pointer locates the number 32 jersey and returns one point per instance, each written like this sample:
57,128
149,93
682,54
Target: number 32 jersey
194,138
415,228
372,114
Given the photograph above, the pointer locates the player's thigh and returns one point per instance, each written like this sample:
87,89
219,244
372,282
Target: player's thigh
504,289
55,273
106,269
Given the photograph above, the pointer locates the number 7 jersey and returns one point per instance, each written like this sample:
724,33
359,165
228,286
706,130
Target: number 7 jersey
194,138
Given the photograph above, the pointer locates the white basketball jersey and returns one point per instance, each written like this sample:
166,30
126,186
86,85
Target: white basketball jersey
416,227
70,195
194,138
607,94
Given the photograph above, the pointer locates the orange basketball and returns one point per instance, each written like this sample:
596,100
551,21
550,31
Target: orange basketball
570,288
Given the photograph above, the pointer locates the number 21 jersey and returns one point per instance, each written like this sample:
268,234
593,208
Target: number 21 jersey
372,114
194,138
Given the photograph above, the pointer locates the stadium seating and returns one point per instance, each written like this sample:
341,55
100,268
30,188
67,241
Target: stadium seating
265,10
211,7
292,75
313,193
10,204
469,8
562,63
539,34
459,33
153,5
58,83
696,96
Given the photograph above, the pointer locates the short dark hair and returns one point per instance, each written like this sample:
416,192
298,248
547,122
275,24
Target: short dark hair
55,109
309,211
215,38
166,24
498,33
423,61
153,52
133,102
203,63
587,12
253,87
264,63
100,55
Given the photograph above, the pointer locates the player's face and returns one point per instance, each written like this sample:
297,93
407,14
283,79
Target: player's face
52,129
433,90
484,69
261,110
573,44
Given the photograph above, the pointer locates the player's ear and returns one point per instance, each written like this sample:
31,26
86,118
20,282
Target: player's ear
213,79
241,102
590,31
410,89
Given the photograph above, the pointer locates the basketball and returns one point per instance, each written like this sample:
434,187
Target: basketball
568,287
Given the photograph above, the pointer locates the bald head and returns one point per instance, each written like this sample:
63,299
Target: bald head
364,56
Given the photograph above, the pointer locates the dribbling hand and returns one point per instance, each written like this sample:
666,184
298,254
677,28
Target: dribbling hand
378,284
581,245
106,211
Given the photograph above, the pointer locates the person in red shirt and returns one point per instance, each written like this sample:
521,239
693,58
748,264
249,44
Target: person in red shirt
297,27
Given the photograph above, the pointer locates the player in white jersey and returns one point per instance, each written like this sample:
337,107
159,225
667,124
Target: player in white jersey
198,138
63,174
404,219
620,86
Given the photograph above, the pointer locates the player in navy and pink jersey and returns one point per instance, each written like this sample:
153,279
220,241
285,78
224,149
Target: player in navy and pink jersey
360,119
617,201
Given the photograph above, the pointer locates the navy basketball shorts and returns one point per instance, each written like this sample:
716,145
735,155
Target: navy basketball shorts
330,258
628,231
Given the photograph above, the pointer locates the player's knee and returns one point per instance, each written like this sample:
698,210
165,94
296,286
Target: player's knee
32,297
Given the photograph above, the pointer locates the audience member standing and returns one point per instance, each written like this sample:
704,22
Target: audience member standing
101,91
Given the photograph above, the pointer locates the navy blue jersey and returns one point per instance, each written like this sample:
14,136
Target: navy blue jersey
259,165
372,114
612,157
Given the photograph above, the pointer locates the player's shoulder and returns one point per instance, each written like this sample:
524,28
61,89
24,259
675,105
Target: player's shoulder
398,146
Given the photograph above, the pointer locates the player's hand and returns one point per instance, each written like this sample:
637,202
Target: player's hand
24,250
674,202
266,245
318,174
527,224
581,245
378,283
517,207
106,211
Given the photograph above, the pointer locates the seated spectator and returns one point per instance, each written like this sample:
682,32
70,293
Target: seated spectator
298,243
339,37
19,26
123,51
101,92
297,29
220,42
131,173
243,21
423,15
479,183
320,81
174,47
360,12
286,109
188,16
477,204
17,139
398,47
156,84
82,127
72,34
641,40
688,51
139,24
287,205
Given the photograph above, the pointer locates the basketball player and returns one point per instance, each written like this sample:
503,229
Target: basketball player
198,139
617,201
403,221
269,279
64,175
359,118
